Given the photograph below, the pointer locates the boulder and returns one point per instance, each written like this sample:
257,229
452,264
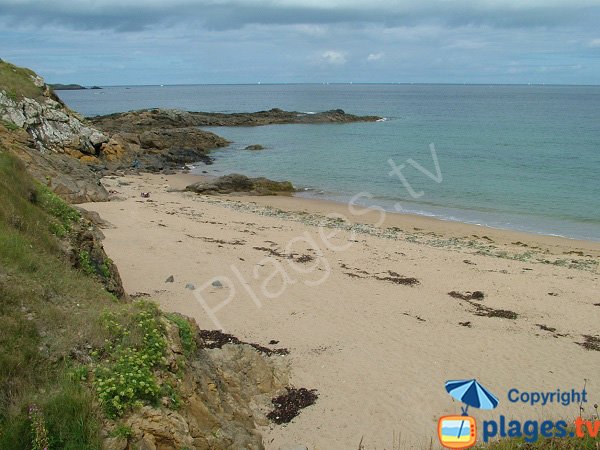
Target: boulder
254,147
228,184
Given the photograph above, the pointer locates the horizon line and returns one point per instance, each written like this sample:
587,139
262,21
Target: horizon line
324,83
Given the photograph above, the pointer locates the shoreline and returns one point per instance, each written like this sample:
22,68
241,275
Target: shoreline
409,221
306,193
367,313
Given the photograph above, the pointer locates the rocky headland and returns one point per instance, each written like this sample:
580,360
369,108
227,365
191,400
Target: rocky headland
168,384
71,153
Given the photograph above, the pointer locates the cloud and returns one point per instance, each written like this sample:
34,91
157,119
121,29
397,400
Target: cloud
334,58
135,15
375,56
207,41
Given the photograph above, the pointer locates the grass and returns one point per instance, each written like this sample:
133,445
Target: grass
566,443
71,355
17,82
186,333
9,125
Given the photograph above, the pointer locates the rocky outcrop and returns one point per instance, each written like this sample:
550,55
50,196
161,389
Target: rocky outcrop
70,154
159,139
73,180
152,119
51,125
56,144
228,184
86,253
224,393
153,150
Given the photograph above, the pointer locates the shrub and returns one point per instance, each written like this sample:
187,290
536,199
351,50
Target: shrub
186,333
125,378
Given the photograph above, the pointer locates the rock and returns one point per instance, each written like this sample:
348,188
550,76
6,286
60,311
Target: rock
217,284
166,139
225,389
254,147
114,443
240,183
86,237
152,426
171,279
95,218
155,119
50,124
190,286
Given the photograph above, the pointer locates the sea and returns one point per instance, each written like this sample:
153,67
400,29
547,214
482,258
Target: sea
518,157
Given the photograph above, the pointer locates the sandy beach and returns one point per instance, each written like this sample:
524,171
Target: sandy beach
362,302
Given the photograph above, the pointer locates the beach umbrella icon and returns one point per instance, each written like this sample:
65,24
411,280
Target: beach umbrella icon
471,393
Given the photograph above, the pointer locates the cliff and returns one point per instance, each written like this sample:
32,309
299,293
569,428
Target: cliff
83,365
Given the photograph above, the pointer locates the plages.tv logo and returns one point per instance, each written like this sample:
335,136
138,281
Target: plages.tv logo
456,431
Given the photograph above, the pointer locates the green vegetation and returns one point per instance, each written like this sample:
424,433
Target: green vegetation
18,82
85,262
122,431
186,333
125,377
566,443
9,125
71,354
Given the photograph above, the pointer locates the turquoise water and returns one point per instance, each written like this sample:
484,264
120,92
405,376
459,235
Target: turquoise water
516,157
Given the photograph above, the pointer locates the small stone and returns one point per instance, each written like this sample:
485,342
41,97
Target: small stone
190,286
171,279
217,284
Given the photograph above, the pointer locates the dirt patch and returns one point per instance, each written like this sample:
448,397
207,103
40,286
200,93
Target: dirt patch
217,339
288,405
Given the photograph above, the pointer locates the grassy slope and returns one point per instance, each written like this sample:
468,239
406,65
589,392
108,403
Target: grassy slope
17,82
46,310
63,336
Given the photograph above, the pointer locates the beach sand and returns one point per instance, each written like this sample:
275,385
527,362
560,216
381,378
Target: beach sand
337,293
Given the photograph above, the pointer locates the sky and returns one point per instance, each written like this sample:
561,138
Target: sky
127,42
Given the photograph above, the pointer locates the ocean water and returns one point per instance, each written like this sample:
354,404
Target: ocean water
515,157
